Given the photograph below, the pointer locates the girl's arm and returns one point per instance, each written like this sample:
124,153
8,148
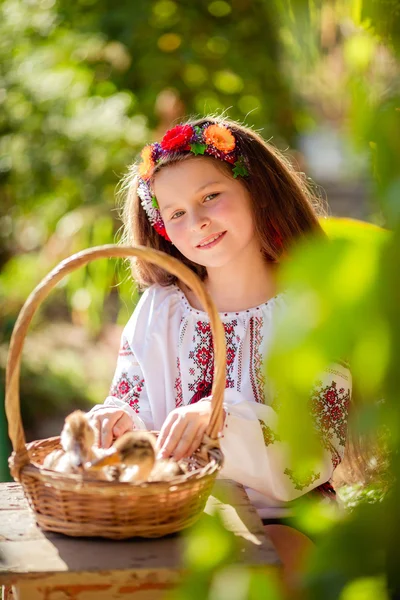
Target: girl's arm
256,456
127,407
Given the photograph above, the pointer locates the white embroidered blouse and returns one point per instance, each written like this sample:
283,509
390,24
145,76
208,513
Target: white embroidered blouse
166,361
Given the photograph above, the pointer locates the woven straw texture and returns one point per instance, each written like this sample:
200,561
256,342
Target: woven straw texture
78,506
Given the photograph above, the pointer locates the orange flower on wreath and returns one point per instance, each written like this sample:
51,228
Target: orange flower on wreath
220,137
147,164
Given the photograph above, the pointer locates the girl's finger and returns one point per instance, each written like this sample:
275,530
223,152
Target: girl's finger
165,430
197,440
180,439
123,425
106,433
172,438
107,427
191,436
103,423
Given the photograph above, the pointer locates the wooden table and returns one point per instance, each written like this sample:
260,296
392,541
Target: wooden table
41,565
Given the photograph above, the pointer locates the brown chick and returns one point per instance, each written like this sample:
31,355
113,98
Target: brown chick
165,469
132,457
77,440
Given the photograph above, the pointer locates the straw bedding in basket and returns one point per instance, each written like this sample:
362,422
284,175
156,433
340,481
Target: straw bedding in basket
75,506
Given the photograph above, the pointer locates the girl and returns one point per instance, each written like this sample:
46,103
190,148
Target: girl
214,194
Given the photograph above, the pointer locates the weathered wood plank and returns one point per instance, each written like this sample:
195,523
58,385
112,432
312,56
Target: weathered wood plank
12,497
117,585
27,552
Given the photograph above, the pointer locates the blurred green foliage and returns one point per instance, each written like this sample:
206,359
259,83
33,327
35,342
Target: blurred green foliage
84,85
214,569
345,304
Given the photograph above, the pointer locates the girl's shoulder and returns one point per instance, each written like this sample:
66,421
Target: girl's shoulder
155,299
156,304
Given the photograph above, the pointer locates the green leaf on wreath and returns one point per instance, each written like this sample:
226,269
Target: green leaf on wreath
240,170
197,148
154,202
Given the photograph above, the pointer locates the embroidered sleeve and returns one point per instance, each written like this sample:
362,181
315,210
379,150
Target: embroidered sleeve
128,382
128,387
329,406
256,456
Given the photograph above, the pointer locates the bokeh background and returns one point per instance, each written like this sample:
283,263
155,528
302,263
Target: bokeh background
84,85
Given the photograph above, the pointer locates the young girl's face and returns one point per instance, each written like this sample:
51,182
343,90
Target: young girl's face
207,213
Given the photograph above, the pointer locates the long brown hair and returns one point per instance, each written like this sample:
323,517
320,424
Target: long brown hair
284,205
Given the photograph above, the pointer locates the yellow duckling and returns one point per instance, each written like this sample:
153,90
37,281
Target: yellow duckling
77,441
165,469
132,458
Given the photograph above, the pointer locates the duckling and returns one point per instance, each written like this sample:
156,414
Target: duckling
77,441
165,469
130,458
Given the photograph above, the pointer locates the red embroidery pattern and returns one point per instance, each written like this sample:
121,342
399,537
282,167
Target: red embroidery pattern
231,350
239,366
125,349
202,357
178,385
335,455
128,390
329,407
257,375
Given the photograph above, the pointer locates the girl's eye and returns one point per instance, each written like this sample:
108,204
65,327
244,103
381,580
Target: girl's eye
210,197
177,214
181,212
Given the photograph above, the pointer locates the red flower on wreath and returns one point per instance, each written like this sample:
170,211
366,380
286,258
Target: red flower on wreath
177,137
147,164
160,228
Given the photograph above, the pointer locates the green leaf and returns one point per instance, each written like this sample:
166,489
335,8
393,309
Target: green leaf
240,170
209,544
197,148
154,202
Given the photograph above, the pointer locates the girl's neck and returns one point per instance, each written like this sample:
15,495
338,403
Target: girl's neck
238,288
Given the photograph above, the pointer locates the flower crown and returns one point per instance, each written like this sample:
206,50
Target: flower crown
212,139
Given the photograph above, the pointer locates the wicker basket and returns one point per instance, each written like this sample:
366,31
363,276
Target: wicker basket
75,506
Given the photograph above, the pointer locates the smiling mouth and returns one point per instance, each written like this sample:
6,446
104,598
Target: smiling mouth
212,241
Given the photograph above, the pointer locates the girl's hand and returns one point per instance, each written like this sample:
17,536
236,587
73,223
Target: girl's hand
183,430
109,423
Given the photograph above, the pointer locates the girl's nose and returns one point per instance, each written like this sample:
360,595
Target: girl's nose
200,220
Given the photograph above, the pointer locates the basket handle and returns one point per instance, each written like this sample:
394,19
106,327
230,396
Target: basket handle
42,290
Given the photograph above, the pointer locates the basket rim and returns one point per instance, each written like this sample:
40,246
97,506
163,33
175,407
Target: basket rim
82,482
